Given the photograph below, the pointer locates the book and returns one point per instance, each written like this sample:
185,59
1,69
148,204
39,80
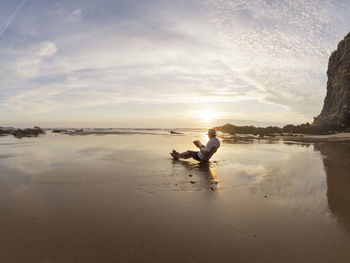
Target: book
198,144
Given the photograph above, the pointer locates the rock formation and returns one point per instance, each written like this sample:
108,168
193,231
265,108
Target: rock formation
19,133
335,114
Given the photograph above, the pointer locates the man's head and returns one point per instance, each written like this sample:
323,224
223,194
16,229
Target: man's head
211,133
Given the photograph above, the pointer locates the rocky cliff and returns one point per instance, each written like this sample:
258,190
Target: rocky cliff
335,114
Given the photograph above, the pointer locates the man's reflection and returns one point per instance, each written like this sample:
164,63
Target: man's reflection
204,171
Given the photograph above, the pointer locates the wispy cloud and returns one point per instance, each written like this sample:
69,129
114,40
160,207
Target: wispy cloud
282,47
8,22
248,59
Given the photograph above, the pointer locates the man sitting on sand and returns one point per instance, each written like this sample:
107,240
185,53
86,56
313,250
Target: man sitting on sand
204,153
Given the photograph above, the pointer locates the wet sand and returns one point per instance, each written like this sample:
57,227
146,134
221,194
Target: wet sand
338,137
120,198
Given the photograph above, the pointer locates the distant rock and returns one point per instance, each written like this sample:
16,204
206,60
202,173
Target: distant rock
58,130
3,131
175,132
6,131
335,114
19,133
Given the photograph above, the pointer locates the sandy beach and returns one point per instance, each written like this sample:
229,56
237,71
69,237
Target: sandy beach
337,137
121,198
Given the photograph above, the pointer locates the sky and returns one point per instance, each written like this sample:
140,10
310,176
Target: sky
166,63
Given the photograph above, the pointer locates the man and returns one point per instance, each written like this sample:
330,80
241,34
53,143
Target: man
204,153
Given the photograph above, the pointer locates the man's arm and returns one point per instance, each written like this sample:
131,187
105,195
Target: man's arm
206,149
198,144
203,151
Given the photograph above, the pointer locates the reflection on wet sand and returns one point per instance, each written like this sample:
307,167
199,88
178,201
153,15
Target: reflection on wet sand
121,198
337,166
204,171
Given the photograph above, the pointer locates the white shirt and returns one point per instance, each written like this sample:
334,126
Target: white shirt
211,147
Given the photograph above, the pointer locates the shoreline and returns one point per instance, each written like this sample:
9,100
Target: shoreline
339,137
37,131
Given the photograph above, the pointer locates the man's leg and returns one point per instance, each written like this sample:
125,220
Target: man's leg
184,155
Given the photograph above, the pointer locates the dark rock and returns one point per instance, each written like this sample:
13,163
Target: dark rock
233,129
193,182
3,131
212,188
175,132
19,133
335,115
190,175
58,131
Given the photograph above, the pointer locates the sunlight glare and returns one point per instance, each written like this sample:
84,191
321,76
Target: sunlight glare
207,115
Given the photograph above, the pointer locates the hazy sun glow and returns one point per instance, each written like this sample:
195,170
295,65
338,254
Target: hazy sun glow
207,115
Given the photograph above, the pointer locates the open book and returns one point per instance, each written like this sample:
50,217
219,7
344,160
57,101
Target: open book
198,144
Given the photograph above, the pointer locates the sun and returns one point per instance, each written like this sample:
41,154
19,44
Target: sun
207,115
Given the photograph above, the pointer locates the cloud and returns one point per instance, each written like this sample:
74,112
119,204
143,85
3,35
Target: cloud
76,12
172,54
282,47
8,22
30,63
